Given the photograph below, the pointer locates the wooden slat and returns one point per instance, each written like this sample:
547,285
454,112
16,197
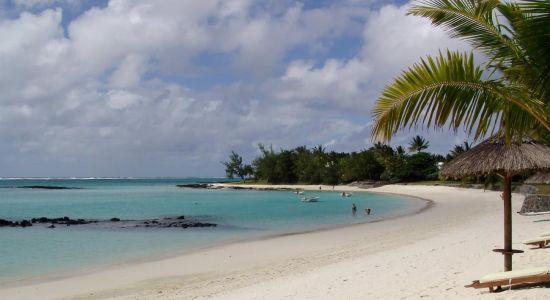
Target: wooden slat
528,279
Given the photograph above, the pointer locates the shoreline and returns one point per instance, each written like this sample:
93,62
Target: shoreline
433,253
285,187
88,270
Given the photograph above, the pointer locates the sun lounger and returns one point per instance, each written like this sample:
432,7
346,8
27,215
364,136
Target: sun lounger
535,275
540,241
545,234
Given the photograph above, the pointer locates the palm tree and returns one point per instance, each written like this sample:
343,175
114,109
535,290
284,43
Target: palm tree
509,94
400,151
459,149
418,144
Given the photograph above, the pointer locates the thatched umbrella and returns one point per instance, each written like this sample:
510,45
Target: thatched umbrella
494,156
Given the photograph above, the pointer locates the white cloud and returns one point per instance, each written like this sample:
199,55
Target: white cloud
128,73
32,52
121,99
338,83
394,40
391,42
117,82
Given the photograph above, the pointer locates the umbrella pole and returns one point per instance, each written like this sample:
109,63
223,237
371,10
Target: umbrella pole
507,198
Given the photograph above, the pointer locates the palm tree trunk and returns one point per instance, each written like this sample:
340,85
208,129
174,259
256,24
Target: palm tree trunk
507,199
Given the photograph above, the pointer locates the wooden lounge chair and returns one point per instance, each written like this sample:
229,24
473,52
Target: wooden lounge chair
535,275
540,241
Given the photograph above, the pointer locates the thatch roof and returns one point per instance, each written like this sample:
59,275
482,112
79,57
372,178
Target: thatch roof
494,156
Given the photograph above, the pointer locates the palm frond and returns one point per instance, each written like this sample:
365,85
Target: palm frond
533,32
474,21
450,89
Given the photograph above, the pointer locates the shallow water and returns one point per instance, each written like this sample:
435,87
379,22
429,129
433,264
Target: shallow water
26,252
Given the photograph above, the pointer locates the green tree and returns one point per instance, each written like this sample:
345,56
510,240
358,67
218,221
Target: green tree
458,149
265,164
509,94
235,166
400,150
248,171
361,166
332,172
285,167
304,159
420,166
418,144
318,162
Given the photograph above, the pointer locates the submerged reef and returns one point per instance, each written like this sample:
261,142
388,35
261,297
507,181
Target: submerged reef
170,222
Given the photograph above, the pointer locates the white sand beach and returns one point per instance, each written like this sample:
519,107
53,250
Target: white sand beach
432,254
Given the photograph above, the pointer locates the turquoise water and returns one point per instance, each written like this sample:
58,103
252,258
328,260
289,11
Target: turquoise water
26,252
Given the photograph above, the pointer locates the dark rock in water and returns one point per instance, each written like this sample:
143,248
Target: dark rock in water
241,188
4,223
40,220
195,185
65,220
46,187
25,223
77,222
199,224
173,222
22,223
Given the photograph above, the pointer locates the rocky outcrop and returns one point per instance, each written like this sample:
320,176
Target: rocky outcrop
539,178
175,222
525,189
7,223
195,185
63,221
535,204
46,187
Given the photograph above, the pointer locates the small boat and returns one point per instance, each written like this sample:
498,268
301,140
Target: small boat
344,194
310,199
299,192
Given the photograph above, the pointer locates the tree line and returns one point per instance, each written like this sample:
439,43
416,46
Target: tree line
317,166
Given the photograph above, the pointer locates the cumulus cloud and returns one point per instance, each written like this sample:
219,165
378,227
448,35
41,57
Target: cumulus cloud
141,88
394,40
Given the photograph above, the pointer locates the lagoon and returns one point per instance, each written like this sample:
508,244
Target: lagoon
240,214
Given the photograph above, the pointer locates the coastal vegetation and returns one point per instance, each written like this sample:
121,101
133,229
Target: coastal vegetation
380,162
235,167
418,144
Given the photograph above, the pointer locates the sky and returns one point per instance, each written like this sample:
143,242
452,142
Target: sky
170,87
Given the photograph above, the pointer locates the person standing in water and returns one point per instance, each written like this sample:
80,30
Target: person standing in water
353,209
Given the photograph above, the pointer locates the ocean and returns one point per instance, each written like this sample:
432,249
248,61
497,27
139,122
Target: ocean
239,214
